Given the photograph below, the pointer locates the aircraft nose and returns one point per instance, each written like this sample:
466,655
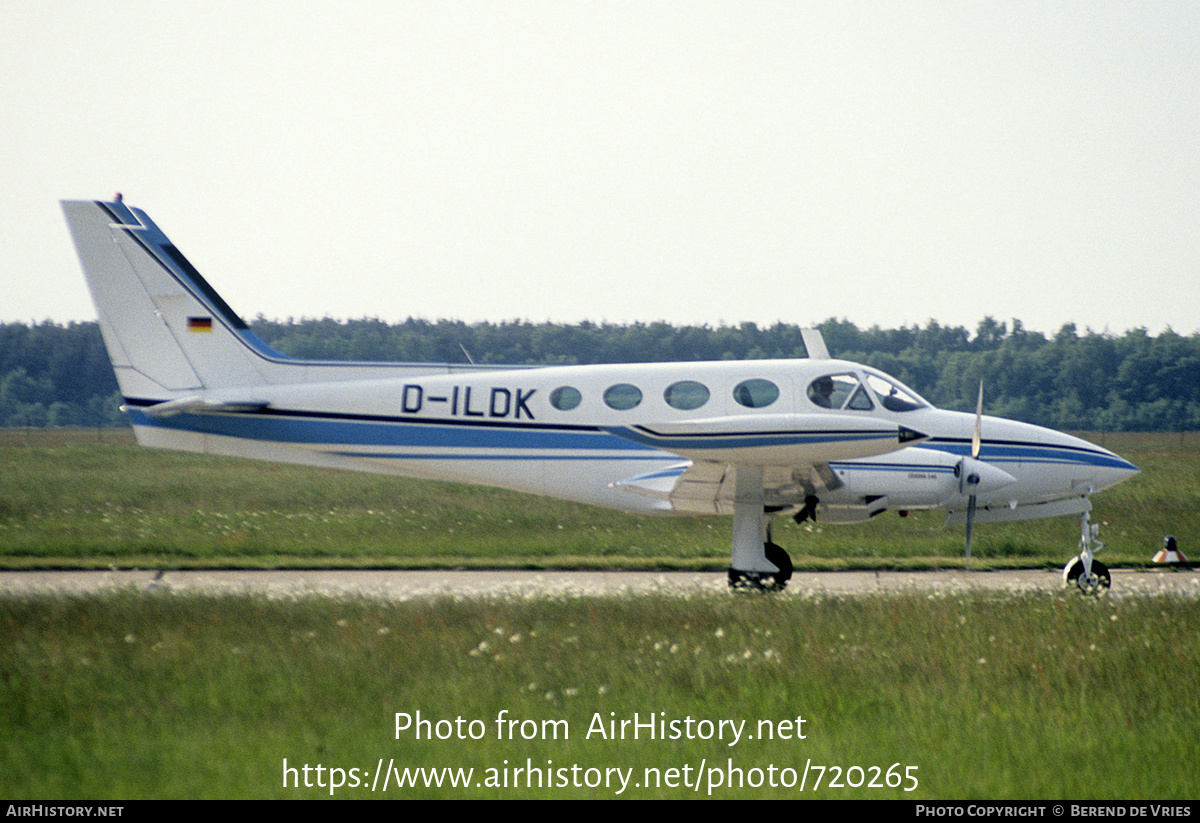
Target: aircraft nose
1114,470
1099,467
1055,461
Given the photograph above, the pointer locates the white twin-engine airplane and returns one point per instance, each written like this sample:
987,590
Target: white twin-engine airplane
812,438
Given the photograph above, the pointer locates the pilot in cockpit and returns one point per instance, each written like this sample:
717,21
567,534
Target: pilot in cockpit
821,392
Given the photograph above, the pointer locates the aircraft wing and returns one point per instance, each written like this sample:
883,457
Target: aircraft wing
774,439
1026,511
706,487
793,449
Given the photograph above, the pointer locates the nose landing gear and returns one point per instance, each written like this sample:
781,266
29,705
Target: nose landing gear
1086,574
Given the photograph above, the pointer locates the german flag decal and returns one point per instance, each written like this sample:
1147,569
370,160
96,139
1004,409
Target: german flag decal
199,324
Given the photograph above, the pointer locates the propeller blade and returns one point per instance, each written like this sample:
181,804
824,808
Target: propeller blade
970,527
976,446
977,435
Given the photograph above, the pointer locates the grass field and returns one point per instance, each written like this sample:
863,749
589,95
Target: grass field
72,500
138,694
133,695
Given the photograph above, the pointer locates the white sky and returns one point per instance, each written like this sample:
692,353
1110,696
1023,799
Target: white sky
696,162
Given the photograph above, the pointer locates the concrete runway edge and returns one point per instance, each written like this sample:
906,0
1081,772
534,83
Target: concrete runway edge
403,585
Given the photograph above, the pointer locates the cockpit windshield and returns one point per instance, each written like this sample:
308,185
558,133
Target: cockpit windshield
838,391
846,391
893,396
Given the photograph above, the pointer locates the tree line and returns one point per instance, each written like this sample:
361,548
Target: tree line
56,375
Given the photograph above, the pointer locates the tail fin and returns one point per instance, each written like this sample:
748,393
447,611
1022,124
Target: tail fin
165,328
170,335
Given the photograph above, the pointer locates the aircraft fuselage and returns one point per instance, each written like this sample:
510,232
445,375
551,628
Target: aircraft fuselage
575,431
816,437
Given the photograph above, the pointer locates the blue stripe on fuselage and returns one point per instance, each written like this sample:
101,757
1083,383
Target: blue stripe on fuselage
999,451
316,428
297,428
996,452
741,440
555,456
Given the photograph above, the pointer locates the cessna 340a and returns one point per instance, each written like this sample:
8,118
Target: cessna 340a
811,438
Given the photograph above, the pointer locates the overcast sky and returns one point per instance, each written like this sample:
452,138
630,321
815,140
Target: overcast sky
696,162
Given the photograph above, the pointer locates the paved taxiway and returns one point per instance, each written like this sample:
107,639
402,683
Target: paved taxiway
403,585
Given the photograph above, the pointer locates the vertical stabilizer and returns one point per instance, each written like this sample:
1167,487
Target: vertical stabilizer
166,330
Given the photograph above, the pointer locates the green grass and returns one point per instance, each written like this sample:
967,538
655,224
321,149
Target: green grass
132,695
71,500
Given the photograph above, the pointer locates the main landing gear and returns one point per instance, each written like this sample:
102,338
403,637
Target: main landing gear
758,564
1088,575
764,581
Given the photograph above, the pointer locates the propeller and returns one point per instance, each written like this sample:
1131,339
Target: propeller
970,480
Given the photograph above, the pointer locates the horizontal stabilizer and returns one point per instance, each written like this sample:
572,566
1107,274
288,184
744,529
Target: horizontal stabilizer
199,405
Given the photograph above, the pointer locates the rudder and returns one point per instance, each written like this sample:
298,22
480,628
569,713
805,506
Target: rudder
166,330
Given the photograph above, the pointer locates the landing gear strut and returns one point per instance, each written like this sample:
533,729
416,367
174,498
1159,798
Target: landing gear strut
757,564
809,511
1088,575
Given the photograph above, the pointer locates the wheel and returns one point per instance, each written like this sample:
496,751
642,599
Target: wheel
764,581
741,581
780,558
1098,582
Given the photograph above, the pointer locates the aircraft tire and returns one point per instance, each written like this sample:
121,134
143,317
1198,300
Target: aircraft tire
780,558
1099,582
742,581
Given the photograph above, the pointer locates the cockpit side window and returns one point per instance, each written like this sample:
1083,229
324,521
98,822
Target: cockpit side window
835,391
892,396
860,400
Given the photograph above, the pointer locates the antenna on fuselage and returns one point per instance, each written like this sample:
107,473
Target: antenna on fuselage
814,344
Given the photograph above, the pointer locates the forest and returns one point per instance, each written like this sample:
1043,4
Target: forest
60,375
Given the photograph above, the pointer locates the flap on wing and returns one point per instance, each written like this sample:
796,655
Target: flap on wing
703,487
658,483
707,487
